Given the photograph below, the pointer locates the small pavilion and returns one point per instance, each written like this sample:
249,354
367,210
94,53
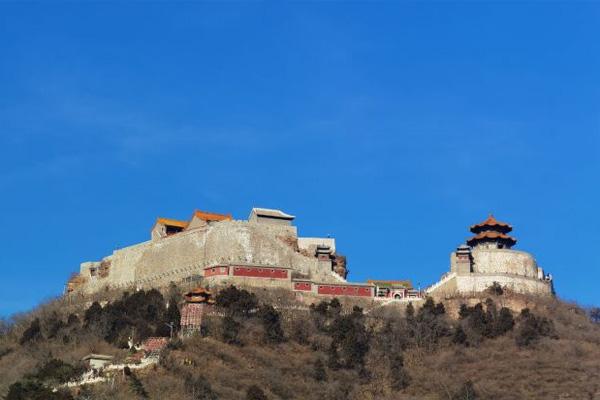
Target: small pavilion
491,234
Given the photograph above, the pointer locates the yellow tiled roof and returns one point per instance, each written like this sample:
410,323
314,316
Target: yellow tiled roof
208,216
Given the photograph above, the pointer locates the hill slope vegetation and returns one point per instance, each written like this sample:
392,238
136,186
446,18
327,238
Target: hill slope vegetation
258,346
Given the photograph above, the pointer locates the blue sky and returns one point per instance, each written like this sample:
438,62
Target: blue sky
391,126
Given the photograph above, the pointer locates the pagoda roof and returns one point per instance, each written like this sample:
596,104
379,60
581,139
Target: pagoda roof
198,295
491,235
198,292
491,223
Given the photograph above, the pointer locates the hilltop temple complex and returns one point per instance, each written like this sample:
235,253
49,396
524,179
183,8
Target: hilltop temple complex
486,259
265,250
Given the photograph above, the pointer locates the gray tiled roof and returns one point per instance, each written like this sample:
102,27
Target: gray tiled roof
268,212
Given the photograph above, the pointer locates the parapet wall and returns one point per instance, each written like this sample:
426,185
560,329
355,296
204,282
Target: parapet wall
503,261
479,283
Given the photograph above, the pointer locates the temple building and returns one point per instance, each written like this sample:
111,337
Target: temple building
488,257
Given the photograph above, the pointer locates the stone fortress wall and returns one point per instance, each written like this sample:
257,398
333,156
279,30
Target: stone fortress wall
268,243
185,254
505,261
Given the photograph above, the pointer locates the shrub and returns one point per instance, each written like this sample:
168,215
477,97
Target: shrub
142,312
93,314
5,352
32,333
319,372
271,322
5,327
531,328
34,390
53,325
333,358
595,315
460,337
350,340
482,324
299,331
173,315
58,371
255,393
230,330
429,325
477,321
504,323
324,313
136,385
72,320
199,388
466,392
464,311
398,375
237,302
496,289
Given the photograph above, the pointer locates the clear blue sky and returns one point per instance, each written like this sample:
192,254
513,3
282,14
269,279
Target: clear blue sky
392,127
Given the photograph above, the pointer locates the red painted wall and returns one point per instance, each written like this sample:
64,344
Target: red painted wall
216,271
302,286
260,272
340,290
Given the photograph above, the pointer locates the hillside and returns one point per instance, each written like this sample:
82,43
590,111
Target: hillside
455,349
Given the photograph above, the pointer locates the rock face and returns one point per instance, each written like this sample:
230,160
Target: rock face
339,266
184,255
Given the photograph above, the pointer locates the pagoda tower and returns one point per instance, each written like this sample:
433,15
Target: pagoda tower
193,310
491,234
486,261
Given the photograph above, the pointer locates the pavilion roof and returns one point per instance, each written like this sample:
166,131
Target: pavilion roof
198,291
492,223
198,295
493,235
